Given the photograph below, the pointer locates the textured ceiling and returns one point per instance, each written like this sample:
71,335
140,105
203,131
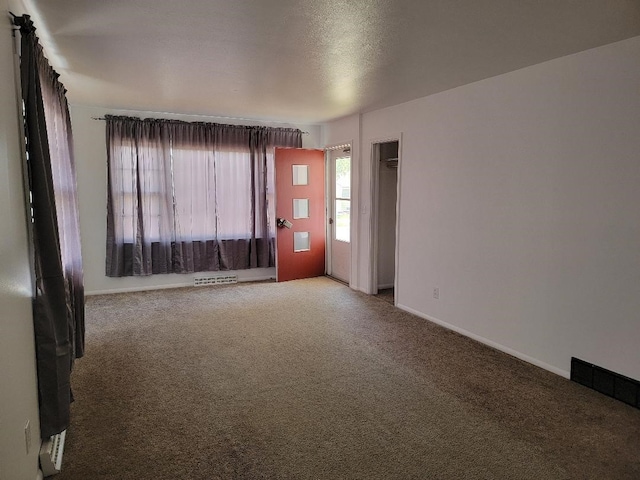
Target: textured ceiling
306,60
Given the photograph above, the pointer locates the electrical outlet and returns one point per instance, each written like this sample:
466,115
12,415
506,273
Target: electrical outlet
27,436
436,293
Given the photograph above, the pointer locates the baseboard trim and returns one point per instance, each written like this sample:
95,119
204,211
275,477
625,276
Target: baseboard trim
385,286
164,287
490,343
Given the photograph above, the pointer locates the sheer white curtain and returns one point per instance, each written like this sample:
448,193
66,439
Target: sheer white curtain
213,197
140,231
186,197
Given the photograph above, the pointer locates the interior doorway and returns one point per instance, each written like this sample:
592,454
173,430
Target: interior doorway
385,220
339,213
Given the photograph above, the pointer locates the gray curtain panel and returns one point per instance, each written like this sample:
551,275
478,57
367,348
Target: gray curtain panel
58,304
189,197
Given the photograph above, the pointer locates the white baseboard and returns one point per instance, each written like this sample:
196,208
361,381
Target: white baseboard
384,286
146,288
486,341
137,289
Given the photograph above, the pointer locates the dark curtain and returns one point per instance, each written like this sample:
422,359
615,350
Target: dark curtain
191,196
59,292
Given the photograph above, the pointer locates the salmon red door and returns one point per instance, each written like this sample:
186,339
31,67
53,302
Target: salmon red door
300,213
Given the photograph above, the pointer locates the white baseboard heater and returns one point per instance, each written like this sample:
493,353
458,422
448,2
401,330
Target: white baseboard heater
214,280
51,454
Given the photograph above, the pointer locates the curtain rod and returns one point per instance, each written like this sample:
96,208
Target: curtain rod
102,118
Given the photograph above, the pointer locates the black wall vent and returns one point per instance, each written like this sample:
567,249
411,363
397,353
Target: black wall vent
605,381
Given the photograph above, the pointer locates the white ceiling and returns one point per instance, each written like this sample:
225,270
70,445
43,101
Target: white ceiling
306,60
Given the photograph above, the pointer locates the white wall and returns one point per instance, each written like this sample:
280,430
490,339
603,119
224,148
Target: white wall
520,200
91,165
18,387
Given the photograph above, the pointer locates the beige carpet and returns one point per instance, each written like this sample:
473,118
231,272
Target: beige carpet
311,380
387,295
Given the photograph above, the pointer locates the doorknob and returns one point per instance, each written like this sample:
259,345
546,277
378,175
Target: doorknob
283,222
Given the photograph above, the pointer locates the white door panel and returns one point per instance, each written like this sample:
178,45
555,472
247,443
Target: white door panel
340,214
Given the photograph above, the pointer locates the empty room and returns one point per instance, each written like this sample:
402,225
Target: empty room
293,239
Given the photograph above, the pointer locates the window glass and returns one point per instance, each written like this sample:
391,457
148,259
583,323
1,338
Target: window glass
342,230
301,241
301,174
300,208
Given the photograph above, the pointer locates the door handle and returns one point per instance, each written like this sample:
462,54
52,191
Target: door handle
283,222
330,221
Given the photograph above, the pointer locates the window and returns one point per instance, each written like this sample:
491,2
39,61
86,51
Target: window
187,197
212,194
151,200
343,199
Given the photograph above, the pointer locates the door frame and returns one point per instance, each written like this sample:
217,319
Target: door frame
373,224
329,207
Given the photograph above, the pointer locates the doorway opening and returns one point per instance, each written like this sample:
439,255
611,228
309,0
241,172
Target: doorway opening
385,219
